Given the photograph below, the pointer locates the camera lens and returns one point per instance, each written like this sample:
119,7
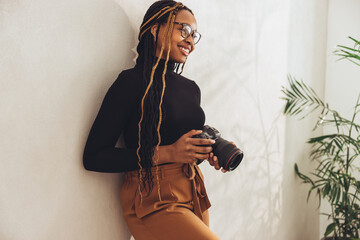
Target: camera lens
228,154
234,160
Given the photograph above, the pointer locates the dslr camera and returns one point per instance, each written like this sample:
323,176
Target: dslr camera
229,156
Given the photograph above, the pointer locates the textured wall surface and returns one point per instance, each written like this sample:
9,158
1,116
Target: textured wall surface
57,60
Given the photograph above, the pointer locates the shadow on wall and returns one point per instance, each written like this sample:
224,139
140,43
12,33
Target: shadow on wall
58,60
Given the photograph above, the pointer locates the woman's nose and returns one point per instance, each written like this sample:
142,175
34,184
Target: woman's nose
190,40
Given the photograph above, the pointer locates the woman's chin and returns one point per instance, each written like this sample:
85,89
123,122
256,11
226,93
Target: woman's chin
179,59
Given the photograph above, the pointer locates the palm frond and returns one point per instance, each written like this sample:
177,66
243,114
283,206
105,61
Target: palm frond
299,98
326,143
351,54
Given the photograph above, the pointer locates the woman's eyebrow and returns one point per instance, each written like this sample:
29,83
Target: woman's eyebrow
195,29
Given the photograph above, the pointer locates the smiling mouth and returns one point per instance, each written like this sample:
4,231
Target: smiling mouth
185,51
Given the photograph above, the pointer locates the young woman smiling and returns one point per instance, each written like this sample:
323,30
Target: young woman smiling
158,112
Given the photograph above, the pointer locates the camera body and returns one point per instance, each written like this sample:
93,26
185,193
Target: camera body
228,154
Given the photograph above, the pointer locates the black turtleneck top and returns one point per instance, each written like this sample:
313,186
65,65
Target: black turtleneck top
120,113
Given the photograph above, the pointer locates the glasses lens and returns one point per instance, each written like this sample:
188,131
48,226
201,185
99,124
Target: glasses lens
196,37
186,31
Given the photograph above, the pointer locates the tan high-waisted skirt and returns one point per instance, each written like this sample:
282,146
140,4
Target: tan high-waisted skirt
182,212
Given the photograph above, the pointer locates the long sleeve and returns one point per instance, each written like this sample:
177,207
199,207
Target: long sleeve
198,93
100,154
198,99
119,114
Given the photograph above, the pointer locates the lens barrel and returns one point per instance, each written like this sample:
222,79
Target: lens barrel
228,154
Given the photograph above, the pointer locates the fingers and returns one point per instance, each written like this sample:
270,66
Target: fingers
201,156
199,149
216,163
200,141
213,161
192,133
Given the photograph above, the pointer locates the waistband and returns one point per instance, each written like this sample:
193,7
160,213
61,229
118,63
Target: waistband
165,171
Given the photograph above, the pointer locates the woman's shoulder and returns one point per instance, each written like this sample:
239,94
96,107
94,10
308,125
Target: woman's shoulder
130,74
188,81
128,84
129,78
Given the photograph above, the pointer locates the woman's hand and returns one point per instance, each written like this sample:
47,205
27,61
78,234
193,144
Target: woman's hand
213,161
186,149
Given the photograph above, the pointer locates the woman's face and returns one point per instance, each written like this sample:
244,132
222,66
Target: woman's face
180,48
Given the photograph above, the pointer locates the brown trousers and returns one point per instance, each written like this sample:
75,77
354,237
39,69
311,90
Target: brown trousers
182,212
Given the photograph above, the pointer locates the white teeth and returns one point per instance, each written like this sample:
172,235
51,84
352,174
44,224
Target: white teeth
185,49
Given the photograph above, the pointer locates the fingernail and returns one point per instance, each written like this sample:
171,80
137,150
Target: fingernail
212,141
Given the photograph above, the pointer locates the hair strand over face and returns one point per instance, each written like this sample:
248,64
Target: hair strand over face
149,138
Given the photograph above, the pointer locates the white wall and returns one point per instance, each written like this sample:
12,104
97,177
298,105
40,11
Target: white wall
244,50
342,77
306,61
59,58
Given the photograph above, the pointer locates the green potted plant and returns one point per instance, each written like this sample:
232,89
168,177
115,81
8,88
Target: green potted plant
336,154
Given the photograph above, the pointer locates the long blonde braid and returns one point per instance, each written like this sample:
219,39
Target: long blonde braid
168,30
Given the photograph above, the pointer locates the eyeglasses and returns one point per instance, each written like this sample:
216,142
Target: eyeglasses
186,31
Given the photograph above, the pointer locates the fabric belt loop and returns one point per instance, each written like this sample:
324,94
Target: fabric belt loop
162,173
200,198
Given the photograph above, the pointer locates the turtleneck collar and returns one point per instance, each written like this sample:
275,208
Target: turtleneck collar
170,65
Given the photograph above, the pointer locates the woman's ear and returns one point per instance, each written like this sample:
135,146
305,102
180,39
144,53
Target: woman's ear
153,29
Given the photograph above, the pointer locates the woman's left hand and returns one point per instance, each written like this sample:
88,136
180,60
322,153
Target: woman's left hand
213,161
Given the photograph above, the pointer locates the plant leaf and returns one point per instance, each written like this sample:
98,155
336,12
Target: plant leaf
330,228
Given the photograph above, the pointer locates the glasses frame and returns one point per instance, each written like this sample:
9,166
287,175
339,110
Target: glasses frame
190,34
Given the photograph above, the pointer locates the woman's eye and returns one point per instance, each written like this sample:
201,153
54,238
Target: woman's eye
187,30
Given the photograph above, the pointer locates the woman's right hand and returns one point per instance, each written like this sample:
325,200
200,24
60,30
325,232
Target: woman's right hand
186,149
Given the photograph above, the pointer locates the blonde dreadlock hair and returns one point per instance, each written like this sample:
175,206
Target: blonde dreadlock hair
160,12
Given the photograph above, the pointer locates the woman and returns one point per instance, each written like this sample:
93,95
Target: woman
158,111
